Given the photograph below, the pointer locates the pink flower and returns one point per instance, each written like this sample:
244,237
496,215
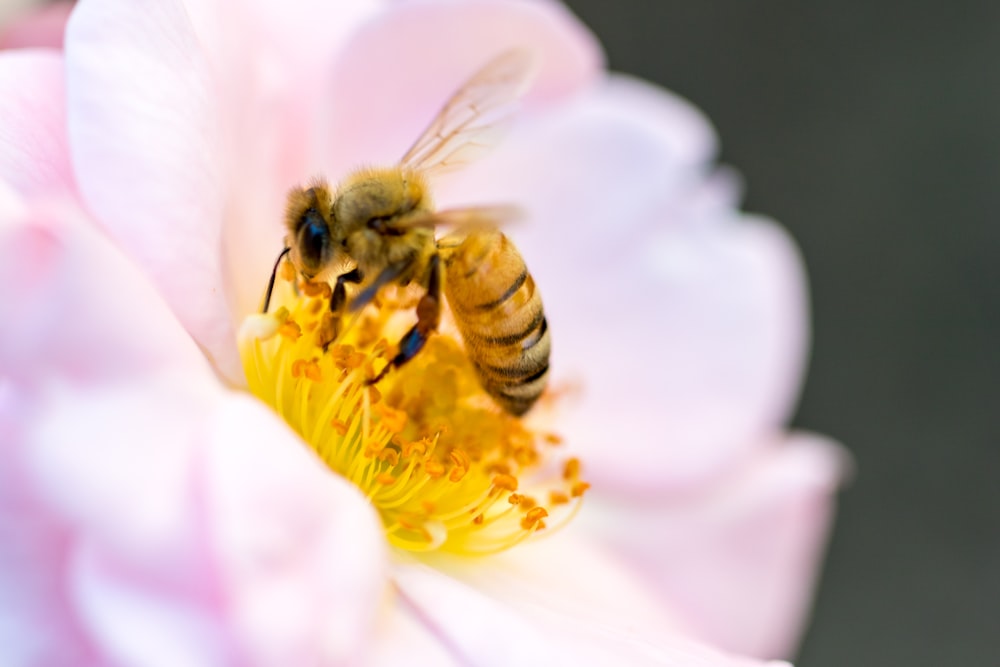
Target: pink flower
153,514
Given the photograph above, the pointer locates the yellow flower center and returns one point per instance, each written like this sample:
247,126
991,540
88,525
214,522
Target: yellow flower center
445,468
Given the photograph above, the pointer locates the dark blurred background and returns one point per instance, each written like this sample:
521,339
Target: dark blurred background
871,130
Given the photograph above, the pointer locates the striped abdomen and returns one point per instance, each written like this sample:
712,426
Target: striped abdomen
499,314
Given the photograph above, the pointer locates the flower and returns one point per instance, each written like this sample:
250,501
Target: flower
151,513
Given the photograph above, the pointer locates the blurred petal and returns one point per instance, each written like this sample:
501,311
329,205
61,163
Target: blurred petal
404,638
301,552
545,573
205,530
737,560
685,376
36,623
397,71
144,136
480,630
108,464
59,279
34,154
40,27
82,309
616,161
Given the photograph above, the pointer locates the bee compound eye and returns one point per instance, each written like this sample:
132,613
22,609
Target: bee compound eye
314,240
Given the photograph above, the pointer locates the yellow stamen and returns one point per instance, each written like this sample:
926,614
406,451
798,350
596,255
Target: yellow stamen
445,468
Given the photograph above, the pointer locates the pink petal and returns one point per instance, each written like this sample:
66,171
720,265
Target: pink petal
107,464
396,72
300,551
679,325
145,140
478,629
698,351
404,638
203,531
41,27
546,574
36,625
272,62
737,561
34,155
80,307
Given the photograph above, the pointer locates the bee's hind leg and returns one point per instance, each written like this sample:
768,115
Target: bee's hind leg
428,318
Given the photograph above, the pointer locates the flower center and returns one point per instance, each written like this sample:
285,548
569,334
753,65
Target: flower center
445,467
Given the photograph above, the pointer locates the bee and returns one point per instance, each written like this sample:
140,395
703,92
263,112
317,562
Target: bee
378,228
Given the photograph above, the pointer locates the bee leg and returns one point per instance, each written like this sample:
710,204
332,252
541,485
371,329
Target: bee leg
339,297
270,283
330,327
428,318
389,274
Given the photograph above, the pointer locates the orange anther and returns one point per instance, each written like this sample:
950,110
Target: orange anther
373,447
433,469
312,371
498,468
534,517
525,456
385,479
505,482
339,426
457,474
578,489
312,289
374,395
393,420
415,447
558,498
459,458
527,502
428,506
571,470
553,438
514,498
290,330
478,519
389,454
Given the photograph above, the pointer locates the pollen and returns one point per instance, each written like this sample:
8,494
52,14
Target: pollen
445,468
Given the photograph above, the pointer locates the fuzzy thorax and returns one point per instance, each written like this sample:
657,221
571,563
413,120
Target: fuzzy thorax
445,468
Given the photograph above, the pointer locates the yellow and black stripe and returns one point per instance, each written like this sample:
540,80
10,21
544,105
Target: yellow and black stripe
499,313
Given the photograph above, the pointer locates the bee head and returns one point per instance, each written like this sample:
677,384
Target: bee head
309,224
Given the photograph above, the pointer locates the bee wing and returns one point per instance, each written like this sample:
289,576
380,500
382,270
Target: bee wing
463,128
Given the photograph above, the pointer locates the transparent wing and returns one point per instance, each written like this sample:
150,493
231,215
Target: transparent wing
469,122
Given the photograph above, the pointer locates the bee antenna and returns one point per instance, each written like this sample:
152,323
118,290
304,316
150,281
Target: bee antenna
270,283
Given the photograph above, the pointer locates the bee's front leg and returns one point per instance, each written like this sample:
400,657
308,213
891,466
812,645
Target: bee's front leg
428,318
339,297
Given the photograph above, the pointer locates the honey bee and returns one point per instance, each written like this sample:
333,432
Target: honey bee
378,228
